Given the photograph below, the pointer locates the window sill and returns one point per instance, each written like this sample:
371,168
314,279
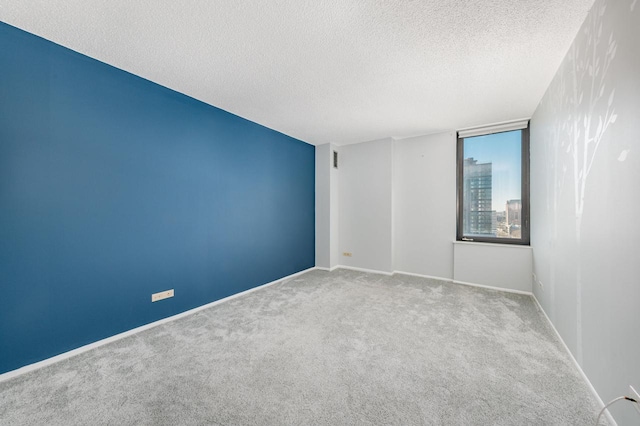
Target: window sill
476,243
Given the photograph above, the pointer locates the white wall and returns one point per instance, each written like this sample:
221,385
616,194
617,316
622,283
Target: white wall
334,212
397,212
396,203
365,204
493,265
327,188
323,205
424,204
585,182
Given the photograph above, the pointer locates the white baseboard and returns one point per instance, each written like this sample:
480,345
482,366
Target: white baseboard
575,362
322,268
431,277
371,271
507,290
450,280
66,355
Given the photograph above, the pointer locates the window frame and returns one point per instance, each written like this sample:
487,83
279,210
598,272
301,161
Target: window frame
525,238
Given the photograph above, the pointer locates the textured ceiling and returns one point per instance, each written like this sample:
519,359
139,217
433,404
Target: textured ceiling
335,71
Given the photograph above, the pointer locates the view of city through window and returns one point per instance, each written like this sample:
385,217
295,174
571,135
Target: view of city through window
492,185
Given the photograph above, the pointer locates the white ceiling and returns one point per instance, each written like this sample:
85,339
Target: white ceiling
340,71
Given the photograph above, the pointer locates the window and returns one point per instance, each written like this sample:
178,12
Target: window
493,184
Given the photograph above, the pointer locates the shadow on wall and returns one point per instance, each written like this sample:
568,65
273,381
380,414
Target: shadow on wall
585,180
583,106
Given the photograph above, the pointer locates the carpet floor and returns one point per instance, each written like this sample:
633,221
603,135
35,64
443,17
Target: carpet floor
324,348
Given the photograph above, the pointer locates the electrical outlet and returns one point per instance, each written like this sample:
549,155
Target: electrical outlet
162,295
635,395
347,254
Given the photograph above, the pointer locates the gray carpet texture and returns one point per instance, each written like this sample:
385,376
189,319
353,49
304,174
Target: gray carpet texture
324,348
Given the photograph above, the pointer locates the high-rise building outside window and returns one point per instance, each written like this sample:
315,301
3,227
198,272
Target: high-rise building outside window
477,209
493,184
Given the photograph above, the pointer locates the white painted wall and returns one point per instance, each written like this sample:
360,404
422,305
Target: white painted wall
365,205
397,212
585,181
327,189
494,265
334,212
323,205
424,204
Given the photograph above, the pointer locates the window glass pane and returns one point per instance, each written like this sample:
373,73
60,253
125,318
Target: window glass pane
492,201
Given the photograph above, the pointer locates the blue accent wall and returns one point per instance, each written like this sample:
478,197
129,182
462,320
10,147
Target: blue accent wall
113,188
